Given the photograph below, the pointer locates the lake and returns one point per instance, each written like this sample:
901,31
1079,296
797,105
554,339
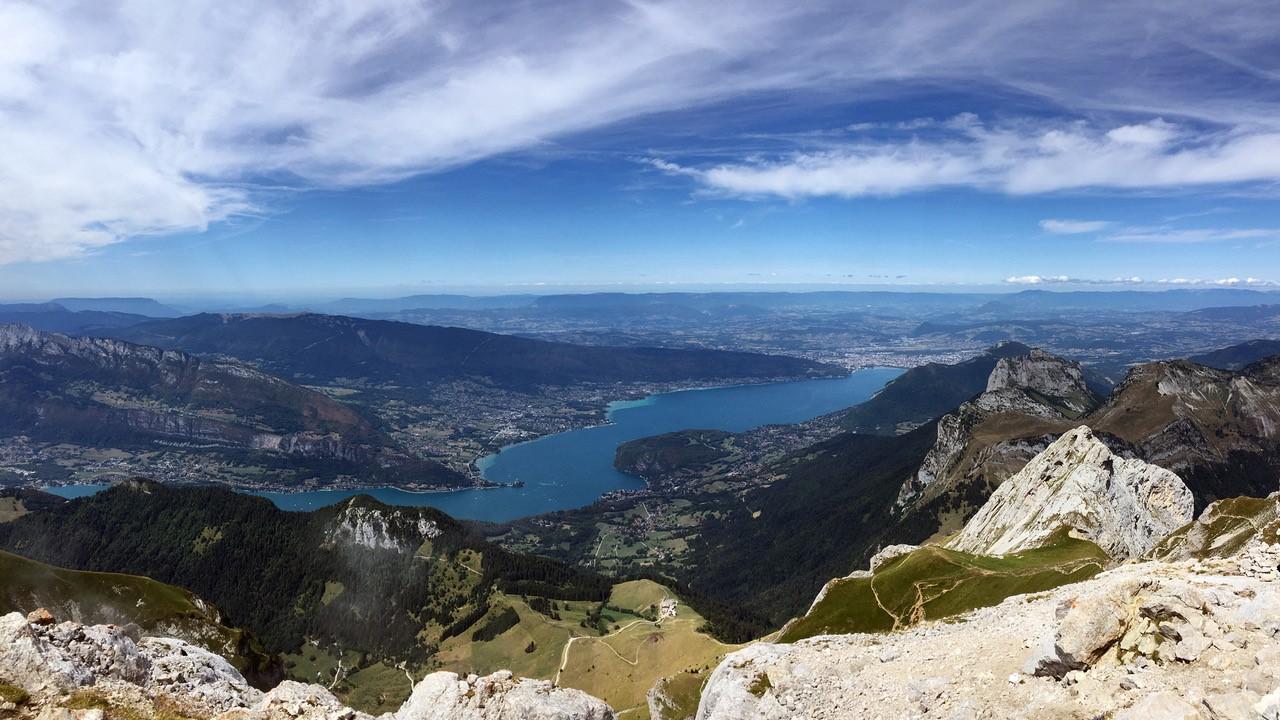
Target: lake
574,468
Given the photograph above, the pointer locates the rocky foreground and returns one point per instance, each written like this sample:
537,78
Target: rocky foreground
69,671
1144,641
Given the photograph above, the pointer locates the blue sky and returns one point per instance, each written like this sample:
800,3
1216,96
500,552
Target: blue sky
391,147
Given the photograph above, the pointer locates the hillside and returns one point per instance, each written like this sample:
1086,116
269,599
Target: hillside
1039,621
828,507
326,347
132,305
932,582
114,598
659,455
1238,356
926,392
358,583
52,317
104,393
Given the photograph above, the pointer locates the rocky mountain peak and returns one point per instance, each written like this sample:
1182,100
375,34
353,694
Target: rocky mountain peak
1059,381
1123,505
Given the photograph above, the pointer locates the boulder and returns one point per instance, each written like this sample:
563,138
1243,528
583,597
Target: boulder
447,696
1160,706
296,701
193,673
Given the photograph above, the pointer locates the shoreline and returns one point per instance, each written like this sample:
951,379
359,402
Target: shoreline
291,495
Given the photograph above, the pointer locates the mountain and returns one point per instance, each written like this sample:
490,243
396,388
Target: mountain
926,392
1139,641
1123,505
357,578
828,511
1249,314
127,305
366,306
1031,397
1238,356
1031,301
324,347
154,607
1218,429
829,507
56,318
99,392
1035,624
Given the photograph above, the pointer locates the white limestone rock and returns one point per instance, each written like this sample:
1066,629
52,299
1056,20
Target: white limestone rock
447,696
51,660
191,672
1122,630
1047,375
1123,505
296,701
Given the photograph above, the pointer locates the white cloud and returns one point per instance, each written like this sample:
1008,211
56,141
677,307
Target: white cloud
149,116
1037,279
1136,280
1073,227
1189,235
1023,159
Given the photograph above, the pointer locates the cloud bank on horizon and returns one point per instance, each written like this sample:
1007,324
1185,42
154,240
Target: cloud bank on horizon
125,119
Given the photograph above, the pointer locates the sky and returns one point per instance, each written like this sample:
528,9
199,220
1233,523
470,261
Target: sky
383,147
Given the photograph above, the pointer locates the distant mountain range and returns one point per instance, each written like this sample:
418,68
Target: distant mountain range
129,305
101,392
326,347
57,318
1238,356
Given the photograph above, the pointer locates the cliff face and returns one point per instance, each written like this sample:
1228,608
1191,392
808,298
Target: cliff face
1058,383
129,675
1123,505
1029,400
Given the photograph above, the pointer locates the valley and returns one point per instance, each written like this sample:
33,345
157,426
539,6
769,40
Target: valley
630,559
639,360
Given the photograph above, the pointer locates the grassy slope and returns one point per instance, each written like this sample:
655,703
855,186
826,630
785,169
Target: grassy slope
99,598
1222,530
619,667
933,582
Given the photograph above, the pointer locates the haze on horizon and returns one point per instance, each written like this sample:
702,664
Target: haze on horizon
386,146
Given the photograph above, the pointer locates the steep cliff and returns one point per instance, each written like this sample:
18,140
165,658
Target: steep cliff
1029,399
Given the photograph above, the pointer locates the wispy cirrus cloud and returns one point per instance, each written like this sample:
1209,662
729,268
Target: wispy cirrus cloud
1135,280
1190,235
1073,227
1026,158
148,117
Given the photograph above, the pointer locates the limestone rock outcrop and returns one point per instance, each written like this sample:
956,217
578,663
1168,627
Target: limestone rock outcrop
51,661
447,696
1060,382
1044,391
1123,505
1190,638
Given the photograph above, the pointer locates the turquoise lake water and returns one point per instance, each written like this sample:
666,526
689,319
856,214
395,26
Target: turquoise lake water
574,468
